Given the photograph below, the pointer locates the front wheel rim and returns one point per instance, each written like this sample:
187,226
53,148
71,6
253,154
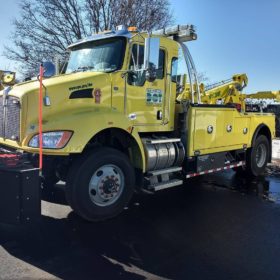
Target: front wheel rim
106,185
261,155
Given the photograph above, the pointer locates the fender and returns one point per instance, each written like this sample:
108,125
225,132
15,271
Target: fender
264,130
257,131
85,125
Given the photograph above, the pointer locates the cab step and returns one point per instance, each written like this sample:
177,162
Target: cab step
164,171
165,185
163,141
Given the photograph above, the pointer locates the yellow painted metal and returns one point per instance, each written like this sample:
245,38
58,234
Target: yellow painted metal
82,116
227,92
265,95
135,101
229,128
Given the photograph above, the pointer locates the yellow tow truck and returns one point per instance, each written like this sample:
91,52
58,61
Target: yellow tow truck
128,113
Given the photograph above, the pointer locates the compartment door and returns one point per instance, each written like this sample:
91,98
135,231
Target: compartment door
211,128
205,119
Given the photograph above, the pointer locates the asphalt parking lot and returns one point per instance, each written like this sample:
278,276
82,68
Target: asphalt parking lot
221,226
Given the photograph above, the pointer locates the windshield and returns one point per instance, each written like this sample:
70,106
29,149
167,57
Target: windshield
102,55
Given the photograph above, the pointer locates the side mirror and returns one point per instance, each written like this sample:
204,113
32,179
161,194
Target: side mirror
49,69
151,57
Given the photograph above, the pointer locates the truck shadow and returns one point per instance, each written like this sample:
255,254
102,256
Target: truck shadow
134,245
177,232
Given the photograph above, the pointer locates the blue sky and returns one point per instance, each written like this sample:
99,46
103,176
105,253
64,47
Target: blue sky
241,36
8,11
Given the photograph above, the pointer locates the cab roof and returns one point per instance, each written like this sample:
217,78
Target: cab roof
179,33
103,35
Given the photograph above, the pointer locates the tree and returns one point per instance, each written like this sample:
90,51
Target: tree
202,77
145,14
46,28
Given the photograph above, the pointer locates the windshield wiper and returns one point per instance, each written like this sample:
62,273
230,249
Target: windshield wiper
83,68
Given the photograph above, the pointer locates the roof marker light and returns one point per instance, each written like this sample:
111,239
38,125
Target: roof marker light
121,27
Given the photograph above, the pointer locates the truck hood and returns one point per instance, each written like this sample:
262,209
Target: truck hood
73,79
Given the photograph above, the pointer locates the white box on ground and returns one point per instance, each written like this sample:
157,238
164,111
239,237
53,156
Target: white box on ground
276,149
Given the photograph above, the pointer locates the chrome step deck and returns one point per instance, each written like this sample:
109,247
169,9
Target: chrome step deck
165,185
164,171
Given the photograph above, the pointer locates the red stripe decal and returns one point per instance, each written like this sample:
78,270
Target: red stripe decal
216,169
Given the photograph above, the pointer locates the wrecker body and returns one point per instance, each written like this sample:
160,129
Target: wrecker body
128,113
267,102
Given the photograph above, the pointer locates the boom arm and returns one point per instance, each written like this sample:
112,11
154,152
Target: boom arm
228,91
265,95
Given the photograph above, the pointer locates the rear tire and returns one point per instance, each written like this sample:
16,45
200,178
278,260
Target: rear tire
257,157
100,184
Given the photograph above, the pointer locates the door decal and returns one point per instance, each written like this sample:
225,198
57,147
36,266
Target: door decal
154,97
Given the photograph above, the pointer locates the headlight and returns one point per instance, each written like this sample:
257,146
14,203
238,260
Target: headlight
51,140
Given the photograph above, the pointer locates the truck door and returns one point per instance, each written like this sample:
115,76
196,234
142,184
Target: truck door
145,100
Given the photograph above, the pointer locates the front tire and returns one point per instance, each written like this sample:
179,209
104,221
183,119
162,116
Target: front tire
100,184
257,157
49,176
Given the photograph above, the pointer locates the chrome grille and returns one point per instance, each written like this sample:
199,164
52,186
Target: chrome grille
10,118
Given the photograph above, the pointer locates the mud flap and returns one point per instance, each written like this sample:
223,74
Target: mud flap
20,195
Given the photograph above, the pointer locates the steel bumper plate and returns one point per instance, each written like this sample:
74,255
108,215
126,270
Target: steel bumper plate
20,195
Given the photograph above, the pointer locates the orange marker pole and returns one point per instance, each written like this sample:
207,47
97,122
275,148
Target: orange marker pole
40,117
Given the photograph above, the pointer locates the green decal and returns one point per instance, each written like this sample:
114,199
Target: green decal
154,96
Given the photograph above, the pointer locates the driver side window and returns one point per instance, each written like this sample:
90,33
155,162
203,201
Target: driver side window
137,75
